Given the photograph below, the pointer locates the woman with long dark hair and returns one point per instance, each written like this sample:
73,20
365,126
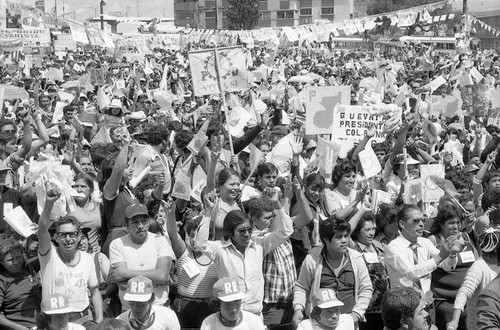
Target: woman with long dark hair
20,291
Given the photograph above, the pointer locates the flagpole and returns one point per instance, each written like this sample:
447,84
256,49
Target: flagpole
216,64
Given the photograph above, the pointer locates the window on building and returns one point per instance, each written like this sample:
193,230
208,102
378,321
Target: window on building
306,12
305,3
327,11
327,3
210,14
285,14
264,15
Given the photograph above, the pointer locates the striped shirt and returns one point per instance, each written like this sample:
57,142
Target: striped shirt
197,286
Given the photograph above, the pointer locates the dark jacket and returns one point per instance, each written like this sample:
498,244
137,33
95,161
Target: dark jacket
488,306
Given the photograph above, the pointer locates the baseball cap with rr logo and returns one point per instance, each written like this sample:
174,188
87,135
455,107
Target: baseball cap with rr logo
139,288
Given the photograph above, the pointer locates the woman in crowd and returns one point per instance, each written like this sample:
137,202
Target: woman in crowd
445,284
196,273
363,241
482,271
87,211
228,183
343,199
387,223
20,291
334,265
306,235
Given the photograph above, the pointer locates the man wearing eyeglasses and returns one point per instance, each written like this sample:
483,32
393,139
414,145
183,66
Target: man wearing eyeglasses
64,269
412,258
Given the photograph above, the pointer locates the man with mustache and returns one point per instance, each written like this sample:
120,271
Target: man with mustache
140,252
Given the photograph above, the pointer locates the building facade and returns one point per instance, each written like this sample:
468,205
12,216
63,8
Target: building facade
211,14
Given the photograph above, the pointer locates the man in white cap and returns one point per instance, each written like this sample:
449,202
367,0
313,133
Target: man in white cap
228,291
326,313
143,315
140,253
56,311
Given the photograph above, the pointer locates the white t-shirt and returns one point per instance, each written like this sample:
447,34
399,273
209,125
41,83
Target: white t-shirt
73,282
141,257
345,323
250,322
165,319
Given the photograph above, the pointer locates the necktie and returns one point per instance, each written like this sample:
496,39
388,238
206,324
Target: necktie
414,247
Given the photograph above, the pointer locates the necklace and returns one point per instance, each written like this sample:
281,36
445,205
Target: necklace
228,323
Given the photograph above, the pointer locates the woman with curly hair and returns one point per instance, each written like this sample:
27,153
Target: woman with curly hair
343,199
363,241
445,284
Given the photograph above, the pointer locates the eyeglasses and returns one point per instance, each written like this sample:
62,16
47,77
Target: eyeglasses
415,221
243,231
71,234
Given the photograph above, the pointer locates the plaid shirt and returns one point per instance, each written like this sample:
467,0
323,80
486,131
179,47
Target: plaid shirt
279,274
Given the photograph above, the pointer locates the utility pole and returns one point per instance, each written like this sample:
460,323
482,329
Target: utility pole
464,13
101,4
216,15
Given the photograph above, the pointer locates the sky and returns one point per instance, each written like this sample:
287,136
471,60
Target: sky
82,9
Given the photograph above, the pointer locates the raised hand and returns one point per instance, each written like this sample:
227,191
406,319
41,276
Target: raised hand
297,145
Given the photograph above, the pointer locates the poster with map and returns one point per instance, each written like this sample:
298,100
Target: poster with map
320,102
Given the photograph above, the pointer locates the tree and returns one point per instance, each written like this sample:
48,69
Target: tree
385,6
243,14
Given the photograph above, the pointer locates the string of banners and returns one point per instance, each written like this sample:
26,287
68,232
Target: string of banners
271,37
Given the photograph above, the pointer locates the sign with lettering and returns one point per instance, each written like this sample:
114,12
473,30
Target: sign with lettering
352,121
30,36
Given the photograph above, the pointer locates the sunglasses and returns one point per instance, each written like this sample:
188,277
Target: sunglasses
415,221
243,231
71,234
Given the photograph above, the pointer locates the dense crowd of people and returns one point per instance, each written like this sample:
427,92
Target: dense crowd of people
128,205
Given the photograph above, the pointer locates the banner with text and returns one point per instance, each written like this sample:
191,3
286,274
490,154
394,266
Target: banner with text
352,121
30,36
320,104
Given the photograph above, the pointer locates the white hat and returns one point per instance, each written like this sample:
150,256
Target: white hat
137,115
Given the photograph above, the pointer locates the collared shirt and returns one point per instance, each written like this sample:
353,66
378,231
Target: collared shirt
246,267
279,274
402,270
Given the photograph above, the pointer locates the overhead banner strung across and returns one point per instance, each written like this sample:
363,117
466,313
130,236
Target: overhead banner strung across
30,36
231,69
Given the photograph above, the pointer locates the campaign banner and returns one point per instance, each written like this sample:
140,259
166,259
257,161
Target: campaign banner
352,121
231,70
30,36
320,103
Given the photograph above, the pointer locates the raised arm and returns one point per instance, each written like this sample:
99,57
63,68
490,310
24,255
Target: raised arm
113,184
178,244
27,139
52,195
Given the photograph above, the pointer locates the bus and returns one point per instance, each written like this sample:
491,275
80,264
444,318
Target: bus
446,44
351,43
